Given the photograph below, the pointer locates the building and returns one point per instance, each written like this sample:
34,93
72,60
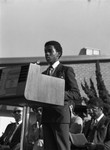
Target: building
89,51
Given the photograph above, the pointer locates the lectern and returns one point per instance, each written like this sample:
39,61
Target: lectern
44,88
25,84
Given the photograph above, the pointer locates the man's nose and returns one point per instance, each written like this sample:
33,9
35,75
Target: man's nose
47,53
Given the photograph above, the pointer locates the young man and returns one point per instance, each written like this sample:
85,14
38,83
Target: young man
56,119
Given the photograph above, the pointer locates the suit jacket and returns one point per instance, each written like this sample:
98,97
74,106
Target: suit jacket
16,137
4,139
61,114
101,133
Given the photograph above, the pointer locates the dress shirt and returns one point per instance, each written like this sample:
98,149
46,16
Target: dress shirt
95,121
53,67
55,64
98,119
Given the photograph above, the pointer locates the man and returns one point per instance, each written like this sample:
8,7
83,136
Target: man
11,136
97,130
56,119
35,136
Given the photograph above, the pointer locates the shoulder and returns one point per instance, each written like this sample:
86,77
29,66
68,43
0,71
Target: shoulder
107,120
11,124
66,68
78,120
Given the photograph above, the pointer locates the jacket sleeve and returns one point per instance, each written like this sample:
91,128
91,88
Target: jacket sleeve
72,92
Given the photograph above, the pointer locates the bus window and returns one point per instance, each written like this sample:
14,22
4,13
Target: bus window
10,126
4,121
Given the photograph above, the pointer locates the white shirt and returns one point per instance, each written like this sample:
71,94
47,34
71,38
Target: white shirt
98,119
55,64
54,67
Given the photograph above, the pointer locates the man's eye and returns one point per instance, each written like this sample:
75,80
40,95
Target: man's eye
48,51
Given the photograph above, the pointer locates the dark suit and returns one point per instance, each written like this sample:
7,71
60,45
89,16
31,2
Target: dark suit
16,137
56,119
100,134
4,139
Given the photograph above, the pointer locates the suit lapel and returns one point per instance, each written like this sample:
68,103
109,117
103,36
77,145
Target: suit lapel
57,70
10,132
88,127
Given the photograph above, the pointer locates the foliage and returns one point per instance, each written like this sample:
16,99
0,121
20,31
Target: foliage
103,92
90,91
100,92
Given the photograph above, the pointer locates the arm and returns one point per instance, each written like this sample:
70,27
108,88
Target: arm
4,135
71,86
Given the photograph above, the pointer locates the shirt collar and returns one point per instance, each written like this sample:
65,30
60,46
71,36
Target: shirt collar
55,64
20,122
98,119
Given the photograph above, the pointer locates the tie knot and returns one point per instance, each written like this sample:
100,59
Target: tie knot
94,123
51,69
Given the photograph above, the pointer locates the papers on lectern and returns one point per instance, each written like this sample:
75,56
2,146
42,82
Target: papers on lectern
78,139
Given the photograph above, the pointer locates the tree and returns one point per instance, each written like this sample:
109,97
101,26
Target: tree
90,91
101,91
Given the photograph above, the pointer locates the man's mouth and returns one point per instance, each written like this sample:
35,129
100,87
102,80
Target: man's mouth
48,58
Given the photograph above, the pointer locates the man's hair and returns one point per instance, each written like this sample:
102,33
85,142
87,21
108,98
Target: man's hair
96,101
56,45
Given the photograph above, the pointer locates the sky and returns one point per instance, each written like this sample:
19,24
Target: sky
25,26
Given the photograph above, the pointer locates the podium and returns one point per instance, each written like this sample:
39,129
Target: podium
25,84
43,88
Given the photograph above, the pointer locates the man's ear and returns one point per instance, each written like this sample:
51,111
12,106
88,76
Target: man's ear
59,54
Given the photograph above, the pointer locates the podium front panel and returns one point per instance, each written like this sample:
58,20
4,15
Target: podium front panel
43,88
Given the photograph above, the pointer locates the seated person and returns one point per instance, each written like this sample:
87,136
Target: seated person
35,135
39,143
97,130
11,136
76,123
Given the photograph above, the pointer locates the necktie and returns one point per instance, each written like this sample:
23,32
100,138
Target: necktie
51,69
92,124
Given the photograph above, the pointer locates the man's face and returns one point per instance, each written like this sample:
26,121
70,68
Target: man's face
94,111
51,54
17,115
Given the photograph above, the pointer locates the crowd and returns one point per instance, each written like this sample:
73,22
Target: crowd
91,121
